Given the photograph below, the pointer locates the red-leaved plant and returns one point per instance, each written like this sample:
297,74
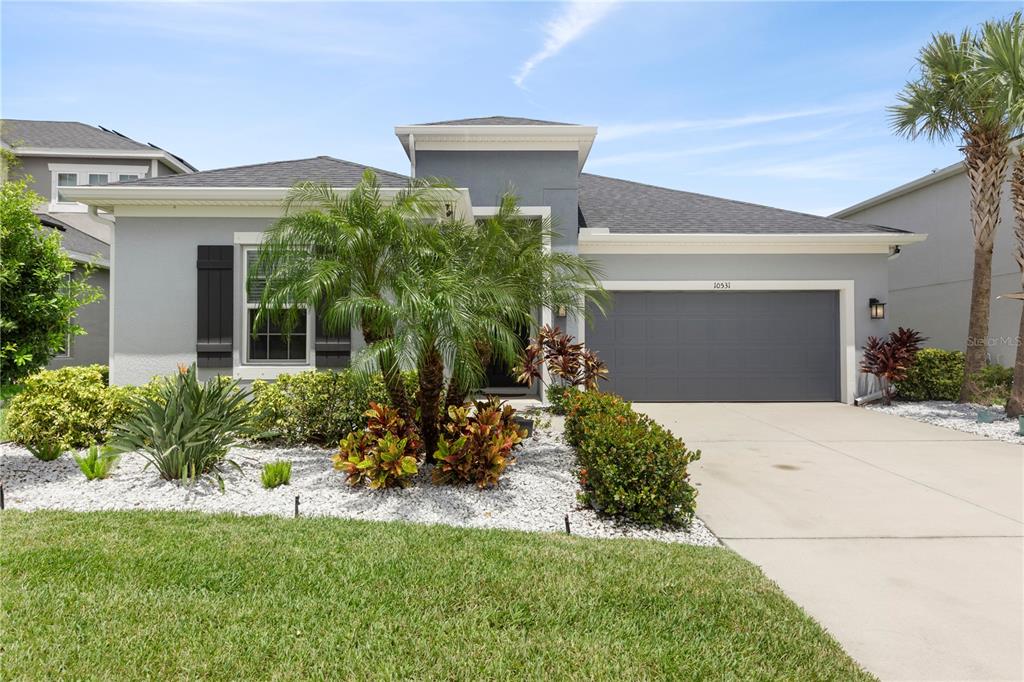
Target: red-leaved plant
383,455
889,359
476,443
568,362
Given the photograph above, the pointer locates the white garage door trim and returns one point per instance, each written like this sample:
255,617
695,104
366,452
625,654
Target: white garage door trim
847,336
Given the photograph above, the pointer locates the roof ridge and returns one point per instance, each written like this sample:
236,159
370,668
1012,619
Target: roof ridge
748,203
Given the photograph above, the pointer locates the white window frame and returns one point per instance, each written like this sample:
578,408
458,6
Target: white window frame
112,171
261,369
68,335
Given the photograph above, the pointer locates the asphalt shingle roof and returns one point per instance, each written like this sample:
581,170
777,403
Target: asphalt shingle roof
496,121
628,207
326,169
63,135
73,239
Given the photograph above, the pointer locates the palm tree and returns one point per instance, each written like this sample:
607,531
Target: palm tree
342,255
952,99
1002,61
518,247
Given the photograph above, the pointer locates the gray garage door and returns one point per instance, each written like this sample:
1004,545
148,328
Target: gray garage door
720,346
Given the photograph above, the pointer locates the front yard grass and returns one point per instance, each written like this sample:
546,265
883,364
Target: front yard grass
173,595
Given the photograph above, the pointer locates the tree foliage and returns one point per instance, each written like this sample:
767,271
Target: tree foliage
38,295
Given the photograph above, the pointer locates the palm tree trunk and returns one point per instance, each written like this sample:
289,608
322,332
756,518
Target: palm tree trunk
431,380
1015,406
390,371
455,396
986,159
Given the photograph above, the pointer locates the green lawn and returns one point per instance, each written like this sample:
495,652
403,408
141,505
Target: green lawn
168,595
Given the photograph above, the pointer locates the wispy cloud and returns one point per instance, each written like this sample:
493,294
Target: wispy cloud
857,165
571,24
629,158
624,130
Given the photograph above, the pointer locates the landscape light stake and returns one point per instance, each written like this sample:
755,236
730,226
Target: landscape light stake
567,530
296,506
1,496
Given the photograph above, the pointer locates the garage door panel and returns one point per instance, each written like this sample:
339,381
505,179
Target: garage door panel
722,346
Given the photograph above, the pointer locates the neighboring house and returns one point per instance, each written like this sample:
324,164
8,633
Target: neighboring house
713,299
62,154
930,285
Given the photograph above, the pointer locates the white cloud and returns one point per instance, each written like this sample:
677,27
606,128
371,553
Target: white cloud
868,102
574,20
857,165
773,140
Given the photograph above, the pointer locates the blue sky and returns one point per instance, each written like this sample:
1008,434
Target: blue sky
781,104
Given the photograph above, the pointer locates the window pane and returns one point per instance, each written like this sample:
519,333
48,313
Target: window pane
258,347
127,177
67,179
98,179
255,286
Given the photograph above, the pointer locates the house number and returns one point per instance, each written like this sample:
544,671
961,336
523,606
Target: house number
722,285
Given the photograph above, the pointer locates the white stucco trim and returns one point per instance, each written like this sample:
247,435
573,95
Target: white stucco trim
601,241
154,154
847,319
85,170
455,137
542,212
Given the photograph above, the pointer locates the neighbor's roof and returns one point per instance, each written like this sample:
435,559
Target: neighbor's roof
79,245
72,135
496,121
327,169
621,206
63,134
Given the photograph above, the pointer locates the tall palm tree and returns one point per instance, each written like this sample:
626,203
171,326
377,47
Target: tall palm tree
953,100
1002,61
342,255
518,247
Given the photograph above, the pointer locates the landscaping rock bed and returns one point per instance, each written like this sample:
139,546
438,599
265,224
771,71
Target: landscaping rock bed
956,416
535,493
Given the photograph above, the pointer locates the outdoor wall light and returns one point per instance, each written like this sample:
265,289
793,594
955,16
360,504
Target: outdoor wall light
877,309
561,311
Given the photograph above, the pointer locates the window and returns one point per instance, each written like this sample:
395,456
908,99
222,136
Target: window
98,179
65,351
268,343
66,180
127,177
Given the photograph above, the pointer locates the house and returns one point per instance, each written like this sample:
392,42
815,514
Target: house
62,154
930,285
713,299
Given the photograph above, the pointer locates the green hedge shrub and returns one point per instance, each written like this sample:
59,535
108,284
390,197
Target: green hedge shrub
632,467
935,375
558,397
582,405
318,407
995,382
68,408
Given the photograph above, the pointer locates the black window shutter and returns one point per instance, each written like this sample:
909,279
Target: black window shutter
215,305
331,350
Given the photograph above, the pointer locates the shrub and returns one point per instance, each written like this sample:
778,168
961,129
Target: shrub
631,467
383,455
476,444
935,374
97,463
558,397
583,405
319,407
995,382
186,428
889,359
73,407
46,452
276,473
39,298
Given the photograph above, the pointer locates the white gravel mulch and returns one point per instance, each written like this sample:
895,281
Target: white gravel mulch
962,417
535,493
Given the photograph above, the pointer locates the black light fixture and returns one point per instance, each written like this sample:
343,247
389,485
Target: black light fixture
877,309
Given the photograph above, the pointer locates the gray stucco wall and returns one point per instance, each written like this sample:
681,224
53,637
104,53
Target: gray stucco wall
930,283
869,273
538,178
93,346
154,290
42,182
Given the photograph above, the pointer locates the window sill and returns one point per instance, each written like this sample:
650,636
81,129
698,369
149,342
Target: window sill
251,372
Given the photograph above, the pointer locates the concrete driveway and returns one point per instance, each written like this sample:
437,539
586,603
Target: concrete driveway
903,539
